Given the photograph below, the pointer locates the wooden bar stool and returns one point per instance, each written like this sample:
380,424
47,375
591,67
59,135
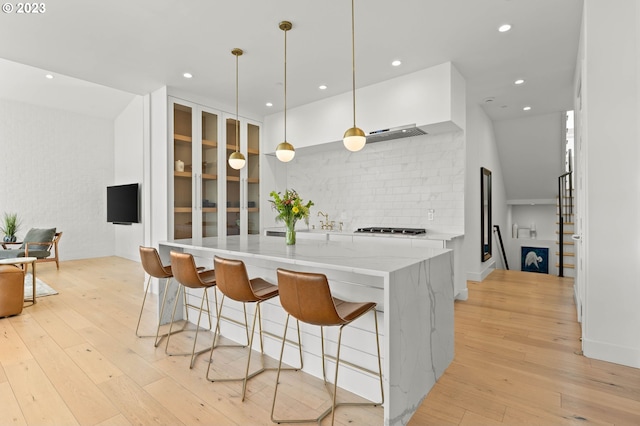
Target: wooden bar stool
233,282
153,266
188,275
307,297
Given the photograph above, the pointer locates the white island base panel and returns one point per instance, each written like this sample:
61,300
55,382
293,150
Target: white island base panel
413,288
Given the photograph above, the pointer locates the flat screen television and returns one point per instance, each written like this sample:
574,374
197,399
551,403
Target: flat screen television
122,204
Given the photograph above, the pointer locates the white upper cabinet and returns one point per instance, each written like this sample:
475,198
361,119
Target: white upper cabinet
432,99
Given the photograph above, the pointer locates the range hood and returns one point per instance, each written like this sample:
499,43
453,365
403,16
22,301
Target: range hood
395,133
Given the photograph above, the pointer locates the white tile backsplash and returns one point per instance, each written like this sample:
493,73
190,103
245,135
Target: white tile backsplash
390,183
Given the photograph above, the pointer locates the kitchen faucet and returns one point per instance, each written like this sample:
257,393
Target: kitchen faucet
326,224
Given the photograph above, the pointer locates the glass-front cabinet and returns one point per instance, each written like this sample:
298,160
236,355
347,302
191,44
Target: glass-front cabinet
209,176
233,179
182,174
243,186
253,178
207,197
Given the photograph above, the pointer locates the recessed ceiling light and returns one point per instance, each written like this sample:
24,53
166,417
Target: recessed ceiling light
187,75
269,104
527,108
519,81
322,87
49,76
504,28
396,63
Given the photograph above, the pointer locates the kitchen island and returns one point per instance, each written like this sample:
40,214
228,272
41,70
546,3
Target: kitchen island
413,288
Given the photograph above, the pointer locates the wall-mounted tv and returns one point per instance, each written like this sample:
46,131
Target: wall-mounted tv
123,204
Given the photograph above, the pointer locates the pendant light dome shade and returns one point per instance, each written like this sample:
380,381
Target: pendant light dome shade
285,151
354,138
236,159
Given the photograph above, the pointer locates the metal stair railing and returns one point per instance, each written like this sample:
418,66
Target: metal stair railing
565,213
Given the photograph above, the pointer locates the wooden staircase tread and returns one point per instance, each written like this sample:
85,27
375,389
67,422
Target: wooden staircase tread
565,265
565,254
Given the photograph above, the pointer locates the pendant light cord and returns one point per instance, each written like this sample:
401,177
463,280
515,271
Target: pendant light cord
285,85
353,59
237,117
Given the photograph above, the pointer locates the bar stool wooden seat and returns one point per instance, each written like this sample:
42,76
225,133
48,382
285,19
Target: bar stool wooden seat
153,266
233,282
307,297
188,275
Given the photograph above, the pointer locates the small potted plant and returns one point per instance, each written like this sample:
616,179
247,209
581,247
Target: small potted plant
10,225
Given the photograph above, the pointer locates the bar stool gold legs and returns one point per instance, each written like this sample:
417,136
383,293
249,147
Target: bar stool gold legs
188,275
307,297
233,282
201,308
144,299
153,266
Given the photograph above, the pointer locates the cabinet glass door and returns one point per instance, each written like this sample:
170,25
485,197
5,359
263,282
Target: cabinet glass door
253,179
182,171
233,180
209,176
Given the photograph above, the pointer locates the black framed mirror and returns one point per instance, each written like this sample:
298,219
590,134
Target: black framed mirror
485,212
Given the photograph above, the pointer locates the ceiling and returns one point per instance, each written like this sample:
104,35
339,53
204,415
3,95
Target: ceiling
139,46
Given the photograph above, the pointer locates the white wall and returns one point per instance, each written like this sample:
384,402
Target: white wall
391,183
611,108
531,151
128,149
482,152
157,222
56,167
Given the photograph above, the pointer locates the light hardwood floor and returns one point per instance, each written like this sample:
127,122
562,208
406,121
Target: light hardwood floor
73,358
517,345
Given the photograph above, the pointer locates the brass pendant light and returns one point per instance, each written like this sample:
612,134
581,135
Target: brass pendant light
236,159
285,151
354,138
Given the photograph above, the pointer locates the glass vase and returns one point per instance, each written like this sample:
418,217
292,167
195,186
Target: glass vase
290,234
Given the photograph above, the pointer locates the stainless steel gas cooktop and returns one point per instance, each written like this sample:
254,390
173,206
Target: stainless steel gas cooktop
399,231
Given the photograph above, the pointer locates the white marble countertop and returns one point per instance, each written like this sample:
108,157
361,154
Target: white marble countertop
350,256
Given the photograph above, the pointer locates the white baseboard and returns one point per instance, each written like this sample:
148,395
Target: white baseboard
489,266
462,295
622,355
